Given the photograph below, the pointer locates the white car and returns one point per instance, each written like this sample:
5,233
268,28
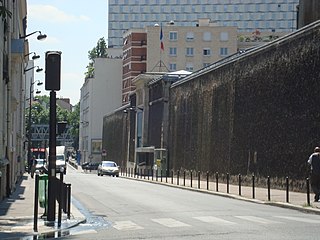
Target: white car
108,168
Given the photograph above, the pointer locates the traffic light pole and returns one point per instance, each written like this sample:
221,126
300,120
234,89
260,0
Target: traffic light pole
52,159
52,83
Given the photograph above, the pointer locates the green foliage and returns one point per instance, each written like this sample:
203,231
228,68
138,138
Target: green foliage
100,51
40,111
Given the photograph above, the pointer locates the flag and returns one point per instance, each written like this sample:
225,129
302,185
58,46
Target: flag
161,39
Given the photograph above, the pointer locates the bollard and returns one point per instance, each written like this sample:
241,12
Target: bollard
144,173
166,175
228,177
253,190
198,179
60,202
207,180
184,177
152,174
287,189
217,181
36,195
239,184
148,173
191,178
69,200
161,175
308,192
268,183
157,175
171,176
178,173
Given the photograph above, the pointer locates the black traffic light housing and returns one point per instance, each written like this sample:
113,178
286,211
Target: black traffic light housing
53,70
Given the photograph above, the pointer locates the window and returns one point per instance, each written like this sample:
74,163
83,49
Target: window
173,36
223,51
189,36
189,51
224,36
173,51
189,67
207,36
172,66
206,52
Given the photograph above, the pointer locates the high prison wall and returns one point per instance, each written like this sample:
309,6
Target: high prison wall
259,113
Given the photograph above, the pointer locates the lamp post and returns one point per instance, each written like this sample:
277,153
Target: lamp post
29,117
34,57
37,70
40,36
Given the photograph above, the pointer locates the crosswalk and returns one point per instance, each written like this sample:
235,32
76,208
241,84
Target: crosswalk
129,225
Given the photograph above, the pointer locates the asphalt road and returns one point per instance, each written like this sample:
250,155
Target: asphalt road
127,209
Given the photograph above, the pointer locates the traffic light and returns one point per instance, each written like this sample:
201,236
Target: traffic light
53,70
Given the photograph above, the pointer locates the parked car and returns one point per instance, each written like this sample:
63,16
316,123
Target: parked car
108,168
90,166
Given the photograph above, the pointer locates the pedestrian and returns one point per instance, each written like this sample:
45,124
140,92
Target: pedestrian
314,161
33,165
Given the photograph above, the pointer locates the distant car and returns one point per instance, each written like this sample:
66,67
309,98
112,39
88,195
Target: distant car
108,168
90,166
39,164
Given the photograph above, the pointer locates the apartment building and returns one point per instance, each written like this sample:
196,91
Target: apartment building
246,15
187,48
14,47
134,59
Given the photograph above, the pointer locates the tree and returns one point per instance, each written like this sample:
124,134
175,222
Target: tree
100,51
40,112
73,120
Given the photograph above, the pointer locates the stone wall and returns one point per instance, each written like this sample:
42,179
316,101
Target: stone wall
258,112
115,137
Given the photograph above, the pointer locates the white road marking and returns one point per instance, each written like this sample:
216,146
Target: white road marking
211,219
256,219
84,232
170,222
126,225
299,219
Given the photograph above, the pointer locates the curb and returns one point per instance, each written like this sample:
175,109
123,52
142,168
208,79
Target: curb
307,209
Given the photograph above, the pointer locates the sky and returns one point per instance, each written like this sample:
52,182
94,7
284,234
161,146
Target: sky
73,27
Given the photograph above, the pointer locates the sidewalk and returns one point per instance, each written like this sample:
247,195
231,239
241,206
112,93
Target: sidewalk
16,214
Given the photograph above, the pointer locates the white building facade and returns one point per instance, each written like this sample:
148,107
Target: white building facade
99,96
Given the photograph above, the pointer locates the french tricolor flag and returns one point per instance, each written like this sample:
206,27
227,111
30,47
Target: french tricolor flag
161,39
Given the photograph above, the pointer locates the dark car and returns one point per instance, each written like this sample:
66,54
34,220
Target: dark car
90,166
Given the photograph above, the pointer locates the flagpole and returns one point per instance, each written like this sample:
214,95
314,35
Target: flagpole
161,47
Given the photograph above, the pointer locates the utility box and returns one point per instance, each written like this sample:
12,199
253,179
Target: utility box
43,191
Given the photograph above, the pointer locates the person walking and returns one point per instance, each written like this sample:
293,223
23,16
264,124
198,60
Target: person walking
314,161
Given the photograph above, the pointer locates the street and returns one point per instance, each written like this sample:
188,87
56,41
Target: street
130,209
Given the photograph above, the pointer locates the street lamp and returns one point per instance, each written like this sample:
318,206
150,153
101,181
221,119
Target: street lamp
40,36
34,57
29,119
38,69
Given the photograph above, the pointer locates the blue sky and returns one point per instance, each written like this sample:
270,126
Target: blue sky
73,27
